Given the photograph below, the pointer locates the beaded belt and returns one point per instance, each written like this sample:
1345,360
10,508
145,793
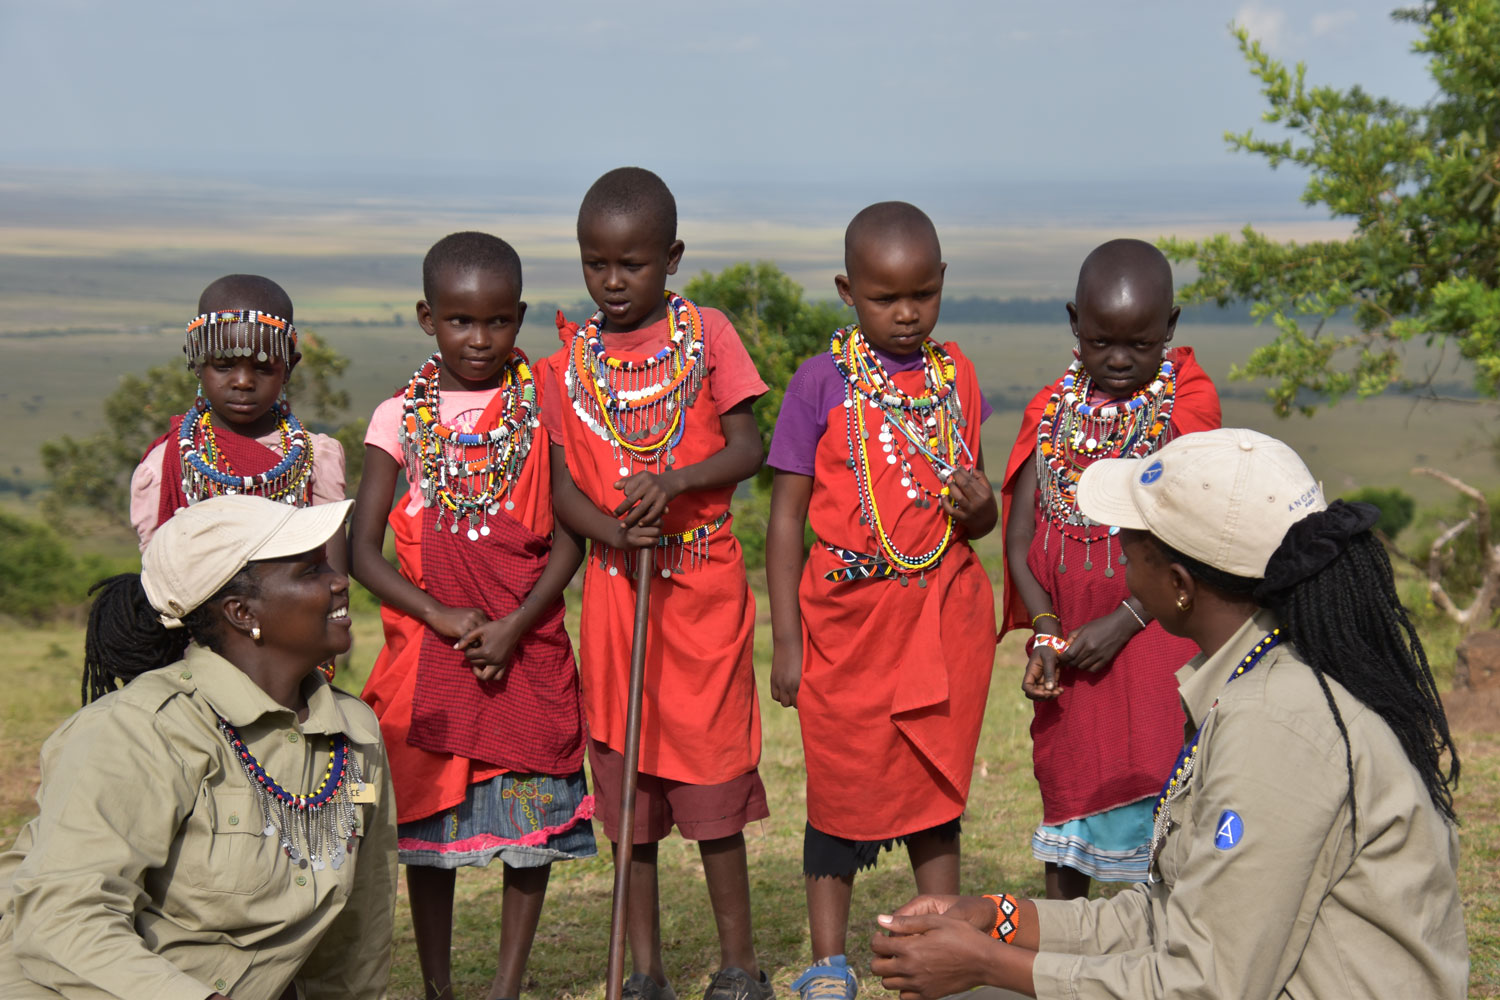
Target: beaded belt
678,552
864,566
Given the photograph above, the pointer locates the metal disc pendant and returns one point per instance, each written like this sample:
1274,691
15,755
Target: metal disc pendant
624,472
902,579
922,582
485,530
473,535
510,505
1109,571
270,830
262,358
1062,568
1088,564
614,571
666,574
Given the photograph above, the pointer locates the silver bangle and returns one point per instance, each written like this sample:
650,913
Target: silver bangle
1133,613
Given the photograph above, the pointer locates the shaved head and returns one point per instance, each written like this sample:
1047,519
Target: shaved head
634,192
1125,274
246,291
886,223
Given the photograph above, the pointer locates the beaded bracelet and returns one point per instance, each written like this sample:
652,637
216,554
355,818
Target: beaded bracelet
1045,614
1007,917
1133,613
1055,642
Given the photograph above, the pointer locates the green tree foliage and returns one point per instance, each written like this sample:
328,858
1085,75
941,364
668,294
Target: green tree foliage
1397,508
93,473
780,329
43,576
1421,189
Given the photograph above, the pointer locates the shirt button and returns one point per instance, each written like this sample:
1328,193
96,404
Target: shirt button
187,675
220,985
234,819
301,879
291,737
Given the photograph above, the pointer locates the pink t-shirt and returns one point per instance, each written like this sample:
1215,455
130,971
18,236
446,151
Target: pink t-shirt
459,409
731,376
145,482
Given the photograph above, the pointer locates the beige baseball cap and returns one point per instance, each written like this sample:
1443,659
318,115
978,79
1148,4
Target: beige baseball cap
202,547
1224,497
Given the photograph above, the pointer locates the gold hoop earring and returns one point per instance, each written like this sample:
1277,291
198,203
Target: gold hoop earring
255,629
1183,604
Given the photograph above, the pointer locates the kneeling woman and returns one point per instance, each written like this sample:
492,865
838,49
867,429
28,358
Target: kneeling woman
222,825
1305,842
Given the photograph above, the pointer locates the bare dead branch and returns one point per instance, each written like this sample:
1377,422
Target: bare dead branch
1481,508
1435,571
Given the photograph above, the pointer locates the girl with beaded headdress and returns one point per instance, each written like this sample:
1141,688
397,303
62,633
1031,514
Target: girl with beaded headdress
240,435
1107,720
881,633
476,687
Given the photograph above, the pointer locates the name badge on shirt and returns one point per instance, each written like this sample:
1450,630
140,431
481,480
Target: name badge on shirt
367,793
1230,831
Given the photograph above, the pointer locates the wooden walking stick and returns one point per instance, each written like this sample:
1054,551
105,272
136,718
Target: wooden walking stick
625,838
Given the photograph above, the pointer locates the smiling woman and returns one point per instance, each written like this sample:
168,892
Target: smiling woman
222,824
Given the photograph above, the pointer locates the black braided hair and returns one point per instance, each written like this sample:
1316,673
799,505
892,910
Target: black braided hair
126,638
1348,623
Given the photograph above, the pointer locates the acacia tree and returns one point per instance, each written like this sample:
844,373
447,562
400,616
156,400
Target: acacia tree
1421,187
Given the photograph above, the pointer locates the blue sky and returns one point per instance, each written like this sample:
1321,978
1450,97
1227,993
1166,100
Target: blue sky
1004,108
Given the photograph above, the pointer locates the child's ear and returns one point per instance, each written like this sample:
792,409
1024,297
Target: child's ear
424,318
674,255
1072,308
520,313
1172,324
841,285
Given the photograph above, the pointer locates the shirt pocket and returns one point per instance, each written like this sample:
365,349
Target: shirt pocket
231,852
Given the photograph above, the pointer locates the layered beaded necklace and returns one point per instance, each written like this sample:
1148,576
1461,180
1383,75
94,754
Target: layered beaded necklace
207,473
638,407
317,828
1074,433
929,425
461,488
1187,758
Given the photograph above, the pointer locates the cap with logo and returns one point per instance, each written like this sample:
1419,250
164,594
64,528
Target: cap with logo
1225,497
202,547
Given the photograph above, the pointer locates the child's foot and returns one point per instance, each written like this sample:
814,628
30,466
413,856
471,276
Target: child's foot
642,987
827,979
736,984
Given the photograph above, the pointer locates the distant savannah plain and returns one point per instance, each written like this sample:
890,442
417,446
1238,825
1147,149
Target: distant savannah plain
98,276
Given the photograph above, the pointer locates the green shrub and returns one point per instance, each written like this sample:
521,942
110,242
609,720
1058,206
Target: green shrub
1397,508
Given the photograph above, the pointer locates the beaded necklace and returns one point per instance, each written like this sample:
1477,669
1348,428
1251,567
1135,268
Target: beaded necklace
206,473
459,487
638,407
1187,757
311,826
929,424
1073,434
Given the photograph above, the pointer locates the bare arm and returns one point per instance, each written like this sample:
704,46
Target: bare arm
578,514
790,495
648,493
377,488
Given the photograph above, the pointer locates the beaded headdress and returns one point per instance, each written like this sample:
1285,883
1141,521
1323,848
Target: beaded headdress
239,333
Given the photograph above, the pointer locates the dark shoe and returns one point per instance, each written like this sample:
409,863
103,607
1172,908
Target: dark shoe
642,987
736,984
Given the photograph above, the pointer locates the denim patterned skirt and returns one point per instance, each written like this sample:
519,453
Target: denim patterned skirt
526,820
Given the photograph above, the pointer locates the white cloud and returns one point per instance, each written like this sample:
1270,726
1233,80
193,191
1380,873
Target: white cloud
1265,24
1332,22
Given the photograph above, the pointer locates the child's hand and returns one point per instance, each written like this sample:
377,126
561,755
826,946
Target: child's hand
786,672
450,623
1039,683
1096,644
635,536
489,647
646,496
970,501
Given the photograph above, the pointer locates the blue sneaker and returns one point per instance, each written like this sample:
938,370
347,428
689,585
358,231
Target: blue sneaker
828,979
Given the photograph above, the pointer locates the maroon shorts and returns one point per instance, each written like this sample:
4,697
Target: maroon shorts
700,812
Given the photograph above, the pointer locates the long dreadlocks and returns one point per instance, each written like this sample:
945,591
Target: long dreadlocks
125,638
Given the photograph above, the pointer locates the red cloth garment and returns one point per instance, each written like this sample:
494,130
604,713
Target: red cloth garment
246,456
443,729
1111,736
700,721
894,679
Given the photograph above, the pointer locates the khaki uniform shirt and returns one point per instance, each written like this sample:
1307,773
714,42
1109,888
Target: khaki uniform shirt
1268,887
147,873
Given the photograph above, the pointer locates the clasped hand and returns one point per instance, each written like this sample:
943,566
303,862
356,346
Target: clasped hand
1091,647
935,946
646,497
486,643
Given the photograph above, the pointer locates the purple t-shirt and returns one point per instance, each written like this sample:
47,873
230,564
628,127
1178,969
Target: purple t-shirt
813,392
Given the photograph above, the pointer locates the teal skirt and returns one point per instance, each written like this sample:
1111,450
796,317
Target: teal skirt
1112,846
526,820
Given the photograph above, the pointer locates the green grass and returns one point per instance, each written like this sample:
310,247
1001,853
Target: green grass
40,675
